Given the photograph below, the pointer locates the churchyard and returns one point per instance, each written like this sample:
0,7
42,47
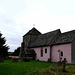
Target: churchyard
35,68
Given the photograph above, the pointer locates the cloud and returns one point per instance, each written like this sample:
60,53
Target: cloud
44,20
18,16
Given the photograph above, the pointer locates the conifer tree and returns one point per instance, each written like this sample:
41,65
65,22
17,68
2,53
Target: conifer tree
3,47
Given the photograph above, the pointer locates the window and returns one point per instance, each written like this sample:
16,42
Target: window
61,53
41,53
45,50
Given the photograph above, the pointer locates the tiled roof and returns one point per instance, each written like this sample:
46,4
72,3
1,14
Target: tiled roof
66,37
45,39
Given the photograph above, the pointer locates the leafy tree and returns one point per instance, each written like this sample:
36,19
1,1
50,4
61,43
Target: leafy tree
10,53
3,47
16,52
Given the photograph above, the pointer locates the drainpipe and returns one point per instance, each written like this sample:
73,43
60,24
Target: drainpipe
59,56
50,53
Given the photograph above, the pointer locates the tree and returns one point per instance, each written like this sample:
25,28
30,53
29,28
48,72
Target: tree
3,47
16,52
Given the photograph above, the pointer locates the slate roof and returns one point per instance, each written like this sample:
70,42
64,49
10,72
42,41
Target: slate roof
66,37
45,39
33,31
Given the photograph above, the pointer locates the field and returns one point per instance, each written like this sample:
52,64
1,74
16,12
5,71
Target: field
34,68
13,56
21,68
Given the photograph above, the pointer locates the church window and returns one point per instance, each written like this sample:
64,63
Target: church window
61,53
41,53
46,50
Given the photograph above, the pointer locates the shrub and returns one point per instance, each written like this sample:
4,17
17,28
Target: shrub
59,63
1,59
9,58
48,59
37,59
25,60
15,60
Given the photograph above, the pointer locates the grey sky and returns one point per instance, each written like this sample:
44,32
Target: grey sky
18,16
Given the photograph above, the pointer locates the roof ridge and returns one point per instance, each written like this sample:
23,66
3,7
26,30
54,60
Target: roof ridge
68,31
58,33
50,31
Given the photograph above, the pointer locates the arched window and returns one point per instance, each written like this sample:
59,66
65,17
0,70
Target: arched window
45,50
41,53
61,53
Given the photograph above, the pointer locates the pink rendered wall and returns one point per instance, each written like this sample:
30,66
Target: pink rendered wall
45,55
65,48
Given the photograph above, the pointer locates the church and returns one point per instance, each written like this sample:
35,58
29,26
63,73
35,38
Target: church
52,46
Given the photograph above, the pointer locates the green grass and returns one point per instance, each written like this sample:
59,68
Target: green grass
34,68
22,68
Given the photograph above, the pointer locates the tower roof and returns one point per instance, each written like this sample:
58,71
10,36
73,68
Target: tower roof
33,31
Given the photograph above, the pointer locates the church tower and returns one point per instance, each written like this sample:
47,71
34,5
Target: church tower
28,38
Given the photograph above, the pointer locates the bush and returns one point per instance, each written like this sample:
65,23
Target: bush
37,59
48,59
15,60
1,59
59,63
25,60
9,58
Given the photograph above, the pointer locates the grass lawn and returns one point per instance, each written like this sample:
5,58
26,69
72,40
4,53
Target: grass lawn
34,68
22,68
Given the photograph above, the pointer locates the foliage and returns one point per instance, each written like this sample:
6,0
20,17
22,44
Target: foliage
16,52
25,60
49,59
10,53
3,47
1,59
15,60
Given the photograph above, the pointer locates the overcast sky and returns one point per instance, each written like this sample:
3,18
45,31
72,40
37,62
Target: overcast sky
18,16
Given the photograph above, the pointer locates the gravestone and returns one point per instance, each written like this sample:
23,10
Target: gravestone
64,65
